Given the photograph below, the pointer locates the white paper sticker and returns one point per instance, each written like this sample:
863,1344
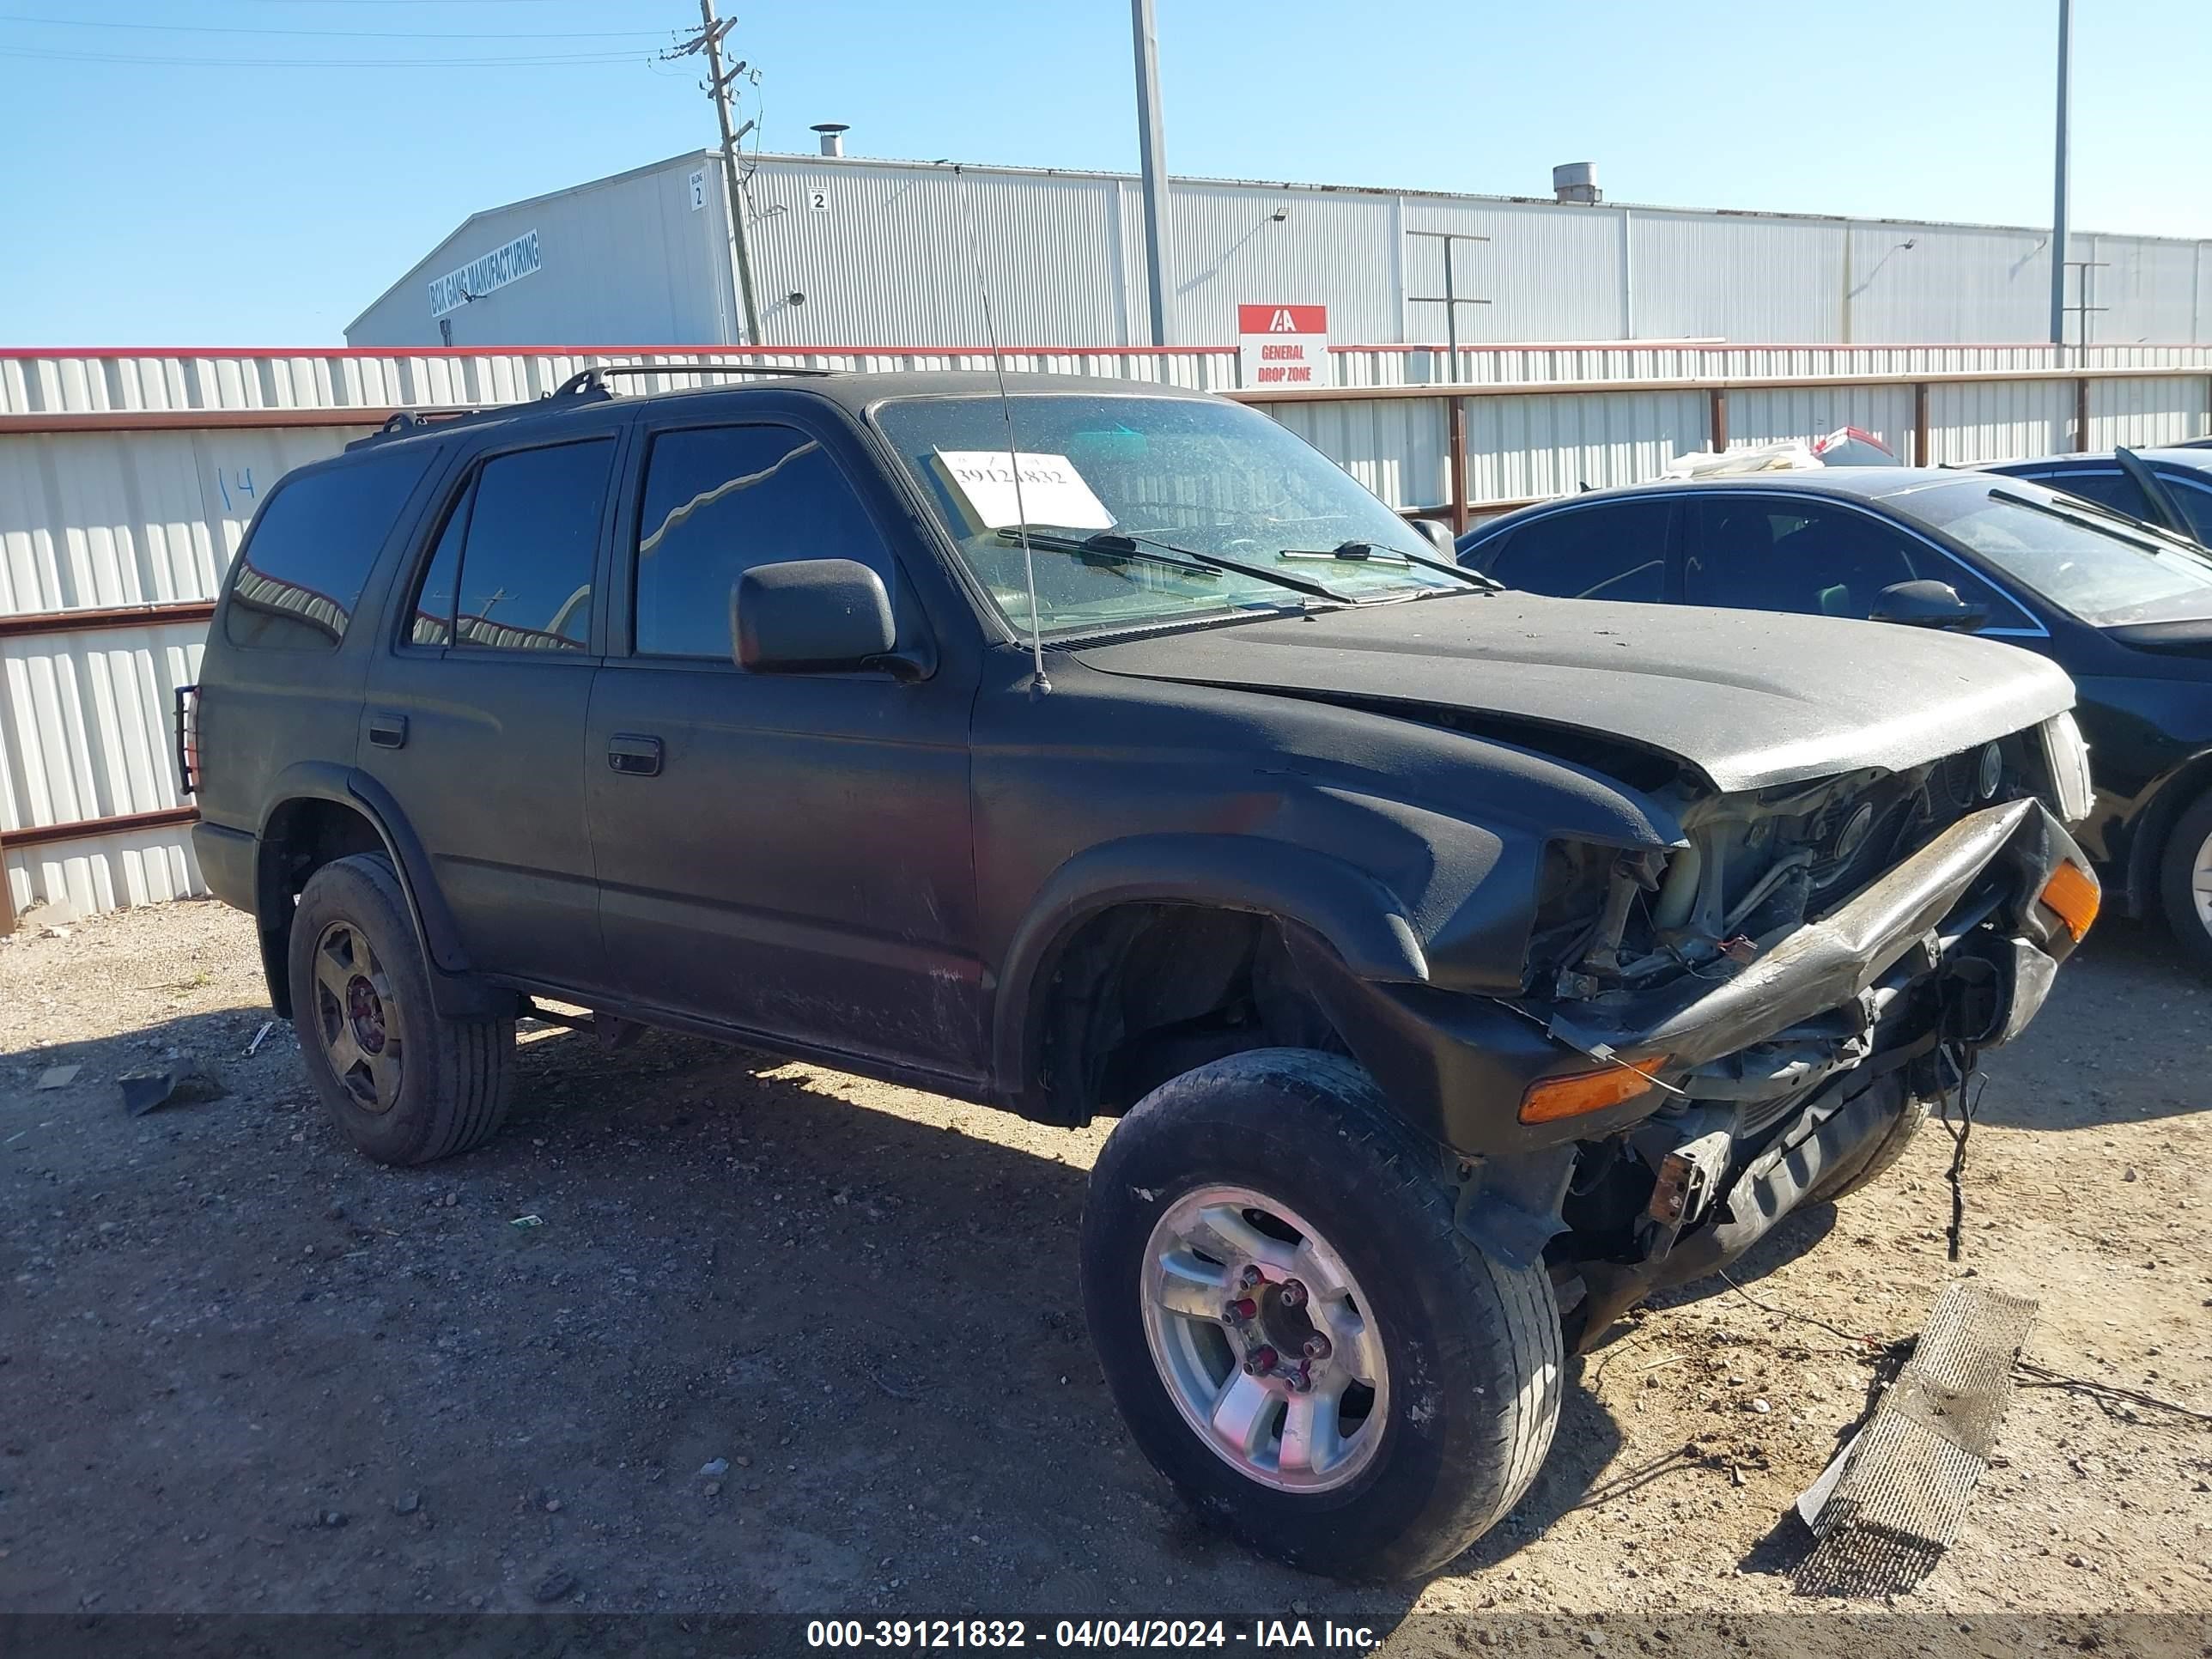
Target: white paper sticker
1052,491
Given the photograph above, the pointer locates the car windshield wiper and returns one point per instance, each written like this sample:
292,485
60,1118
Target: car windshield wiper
1356,552
2095,515
1122,546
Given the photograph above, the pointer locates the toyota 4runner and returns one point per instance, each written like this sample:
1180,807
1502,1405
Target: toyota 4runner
1462,964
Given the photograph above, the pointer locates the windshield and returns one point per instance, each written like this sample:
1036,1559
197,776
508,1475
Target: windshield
2106,573
1215,480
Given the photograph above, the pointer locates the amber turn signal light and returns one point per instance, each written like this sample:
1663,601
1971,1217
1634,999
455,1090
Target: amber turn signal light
1571,1095
2073,895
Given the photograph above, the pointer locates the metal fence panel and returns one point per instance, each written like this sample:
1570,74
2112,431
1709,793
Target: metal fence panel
1767,415
1519,448
105,519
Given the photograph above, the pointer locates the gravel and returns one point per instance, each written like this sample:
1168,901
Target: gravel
853,1307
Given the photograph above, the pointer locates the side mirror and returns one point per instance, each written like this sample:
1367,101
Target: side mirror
810,615
1926,604
1438,532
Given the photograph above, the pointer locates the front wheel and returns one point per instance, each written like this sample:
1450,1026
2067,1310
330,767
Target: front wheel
2184,880
1298,1334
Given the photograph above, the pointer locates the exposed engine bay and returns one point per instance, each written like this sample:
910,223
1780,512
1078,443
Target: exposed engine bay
1746,1133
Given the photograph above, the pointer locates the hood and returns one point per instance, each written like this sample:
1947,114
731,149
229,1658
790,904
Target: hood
1747,698
2183,636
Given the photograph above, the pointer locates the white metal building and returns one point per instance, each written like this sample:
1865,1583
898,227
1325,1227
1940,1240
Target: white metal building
848,250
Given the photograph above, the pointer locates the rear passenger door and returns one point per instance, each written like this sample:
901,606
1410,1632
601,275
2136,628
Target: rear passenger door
1612,549
786,854
476,713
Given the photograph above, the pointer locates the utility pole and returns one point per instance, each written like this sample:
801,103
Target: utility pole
1153,152
1451,299
709,40
2058,189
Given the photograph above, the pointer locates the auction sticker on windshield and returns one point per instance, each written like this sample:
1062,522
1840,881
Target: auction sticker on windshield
1051,490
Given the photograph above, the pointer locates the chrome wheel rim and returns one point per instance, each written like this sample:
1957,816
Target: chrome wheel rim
2200,883
358,1017
1264,1339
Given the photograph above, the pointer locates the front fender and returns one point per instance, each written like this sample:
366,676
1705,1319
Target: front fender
1359,918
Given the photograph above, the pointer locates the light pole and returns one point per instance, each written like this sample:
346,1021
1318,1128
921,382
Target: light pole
2058,190
1152,153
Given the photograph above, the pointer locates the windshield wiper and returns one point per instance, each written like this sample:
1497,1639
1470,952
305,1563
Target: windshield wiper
1356,552
2095,515
1121,546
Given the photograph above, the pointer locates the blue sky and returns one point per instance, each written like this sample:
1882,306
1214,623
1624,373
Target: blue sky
266,192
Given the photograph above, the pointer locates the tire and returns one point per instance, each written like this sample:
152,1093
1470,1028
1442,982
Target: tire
1467,1352
405,1085
2177,880
1913,1112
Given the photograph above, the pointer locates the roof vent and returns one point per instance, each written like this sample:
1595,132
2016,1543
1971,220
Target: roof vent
833,136
1577,181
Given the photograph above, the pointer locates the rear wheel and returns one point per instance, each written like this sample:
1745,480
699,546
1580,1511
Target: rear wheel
1298,1334
405,1085
2185,880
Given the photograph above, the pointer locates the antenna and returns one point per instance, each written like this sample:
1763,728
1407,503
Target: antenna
1013,450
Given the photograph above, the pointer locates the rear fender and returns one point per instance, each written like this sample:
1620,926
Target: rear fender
455,990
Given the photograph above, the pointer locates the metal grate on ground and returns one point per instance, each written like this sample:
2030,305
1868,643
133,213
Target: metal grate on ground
1908,1476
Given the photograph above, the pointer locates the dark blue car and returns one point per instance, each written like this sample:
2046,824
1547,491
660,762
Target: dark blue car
2170,488
2125,607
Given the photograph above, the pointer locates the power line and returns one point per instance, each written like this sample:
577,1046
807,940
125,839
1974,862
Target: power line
103,24
544,60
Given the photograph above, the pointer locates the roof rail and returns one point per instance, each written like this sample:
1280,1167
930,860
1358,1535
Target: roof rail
590,385
595,378
406,423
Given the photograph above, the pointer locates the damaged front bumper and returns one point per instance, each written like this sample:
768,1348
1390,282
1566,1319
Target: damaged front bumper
1964,918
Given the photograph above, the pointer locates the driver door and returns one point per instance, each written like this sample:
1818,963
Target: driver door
785,854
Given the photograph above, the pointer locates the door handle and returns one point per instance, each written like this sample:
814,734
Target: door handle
387,729
634,756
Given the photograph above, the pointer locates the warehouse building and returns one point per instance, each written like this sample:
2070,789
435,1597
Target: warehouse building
858,252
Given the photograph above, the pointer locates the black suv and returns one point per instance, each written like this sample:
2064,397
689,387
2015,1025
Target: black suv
1462,965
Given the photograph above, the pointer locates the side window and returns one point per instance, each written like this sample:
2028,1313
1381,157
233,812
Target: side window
2192,494
528,548
1614,551
432,623
300,572
720,499
2106,484
1771,553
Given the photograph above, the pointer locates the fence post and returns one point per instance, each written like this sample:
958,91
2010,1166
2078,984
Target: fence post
2081,415
6,893
1716,418
1455,420
1921,456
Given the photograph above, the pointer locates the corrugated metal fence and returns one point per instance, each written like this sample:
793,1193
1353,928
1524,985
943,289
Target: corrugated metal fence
127,480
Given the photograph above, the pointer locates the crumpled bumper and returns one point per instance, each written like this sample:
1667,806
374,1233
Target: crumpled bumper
1925,905
1459,1066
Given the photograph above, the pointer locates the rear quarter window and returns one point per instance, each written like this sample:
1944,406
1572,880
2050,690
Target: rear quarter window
299,577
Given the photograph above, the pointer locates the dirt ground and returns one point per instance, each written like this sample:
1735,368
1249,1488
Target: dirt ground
242,1369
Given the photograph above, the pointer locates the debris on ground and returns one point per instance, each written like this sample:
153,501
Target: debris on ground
1893,1501
142,1090
57,1077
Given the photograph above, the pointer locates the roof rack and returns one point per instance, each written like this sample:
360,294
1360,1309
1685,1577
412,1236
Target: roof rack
595,379
590,385
406,423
